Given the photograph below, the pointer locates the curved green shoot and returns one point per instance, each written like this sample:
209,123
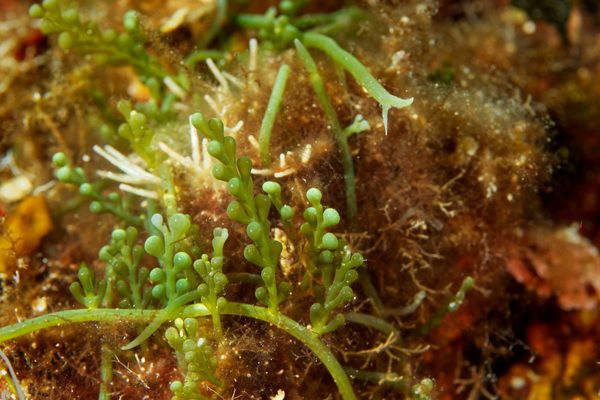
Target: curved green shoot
264,135
358,71
374,322
166,314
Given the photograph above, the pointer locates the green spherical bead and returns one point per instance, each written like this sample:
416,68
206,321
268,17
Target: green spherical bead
272,188
268,275
221,303
171,335
244,165
86,189
179,224
64,174
158,291
65,40
216,125
182,260
47,27
113,196
310,215
314,196
203,289
357,259
156,220
351,276
96,207
331,217
36,11
215,148
467,283
182,286
60,159
254,230
157,275
330,241
71,16
261,294
220,173
104,254
220,279
286,212
197,120
50,4
236,212
346,293
326,257
154,246
137,119
131,21
286,6
176,386
119,234
234,186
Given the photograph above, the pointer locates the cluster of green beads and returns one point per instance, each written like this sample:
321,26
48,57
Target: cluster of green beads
88,37
123,255
195,358
248,209
137,132
173,277
214,280
337,292
321,244
109,46
89,291
99,203
122,273
329,259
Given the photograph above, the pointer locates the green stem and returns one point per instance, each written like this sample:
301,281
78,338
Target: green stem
136,286
300,332
106,372
202,55
372,321
367,286
264,135
339,18
254,21
74,316
216,320
391,379
169,193
340,137
357,70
